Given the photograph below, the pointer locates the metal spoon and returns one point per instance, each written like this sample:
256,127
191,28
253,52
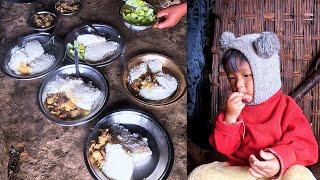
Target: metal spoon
76,60
105,35
125,65
49,42
48,45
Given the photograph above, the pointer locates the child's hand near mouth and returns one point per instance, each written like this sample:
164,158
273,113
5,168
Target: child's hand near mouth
234,107
247,98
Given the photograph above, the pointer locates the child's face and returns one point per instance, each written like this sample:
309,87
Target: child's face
242,81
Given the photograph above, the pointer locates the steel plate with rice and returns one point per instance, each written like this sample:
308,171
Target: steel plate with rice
95,48
68,100
33,56
154,79
157,166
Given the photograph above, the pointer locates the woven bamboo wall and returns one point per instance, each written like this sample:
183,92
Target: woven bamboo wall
297,24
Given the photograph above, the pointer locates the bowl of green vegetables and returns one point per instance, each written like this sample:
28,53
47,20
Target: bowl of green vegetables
138,15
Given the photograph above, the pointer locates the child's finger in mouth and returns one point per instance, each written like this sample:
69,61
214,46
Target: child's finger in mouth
237,99
241,93
247,98
233,95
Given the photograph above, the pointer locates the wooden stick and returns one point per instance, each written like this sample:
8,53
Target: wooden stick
311,80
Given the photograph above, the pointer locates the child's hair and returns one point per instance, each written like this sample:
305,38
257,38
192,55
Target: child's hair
231,60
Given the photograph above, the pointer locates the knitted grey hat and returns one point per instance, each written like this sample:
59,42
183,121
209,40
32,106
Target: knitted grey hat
261,50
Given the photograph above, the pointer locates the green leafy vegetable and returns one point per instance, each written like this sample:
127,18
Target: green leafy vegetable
81,49
135,3
141,15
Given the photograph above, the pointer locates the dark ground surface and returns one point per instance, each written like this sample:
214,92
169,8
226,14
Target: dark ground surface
40,149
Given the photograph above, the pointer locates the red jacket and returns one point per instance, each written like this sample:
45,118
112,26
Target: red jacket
277,125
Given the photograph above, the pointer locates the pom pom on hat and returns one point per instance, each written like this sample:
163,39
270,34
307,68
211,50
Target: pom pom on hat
267,44
226,38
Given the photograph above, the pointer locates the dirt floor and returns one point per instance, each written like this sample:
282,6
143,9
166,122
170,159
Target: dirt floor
38,149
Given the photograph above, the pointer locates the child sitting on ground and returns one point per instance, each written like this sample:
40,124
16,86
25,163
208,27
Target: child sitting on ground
262,131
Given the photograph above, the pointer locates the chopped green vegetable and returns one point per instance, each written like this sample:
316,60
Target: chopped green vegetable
80,56
142,15
81,49
70,46
135,3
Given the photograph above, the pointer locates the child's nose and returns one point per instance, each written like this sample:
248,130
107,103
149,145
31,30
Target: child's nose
240,84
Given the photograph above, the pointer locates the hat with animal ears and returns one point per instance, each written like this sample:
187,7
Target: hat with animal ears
262,51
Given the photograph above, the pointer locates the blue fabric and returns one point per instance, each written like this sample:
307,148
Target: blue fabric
199,101
198,12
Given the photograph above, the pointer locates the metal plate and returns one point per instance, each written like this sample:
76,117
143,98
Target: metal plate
115,36
87,73
169,67
136,27
159,141
57,49
34,26
68,14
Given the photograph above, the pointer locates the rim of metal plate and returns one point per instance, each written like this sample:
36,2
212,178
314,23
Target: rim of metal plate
146,125
85,29
42,37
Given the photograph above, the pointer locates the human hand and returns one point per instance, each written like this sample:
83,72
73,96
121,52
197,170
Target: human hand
247,98
171,15
234,107
269,167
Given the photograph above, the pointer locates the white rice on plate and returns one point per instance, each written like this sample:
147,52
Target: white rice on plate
117,151
98,51
165,84
42,63
83,95
118,164
138,71
87,39
155,65
134,142
33,49
30,59
97,47
167,81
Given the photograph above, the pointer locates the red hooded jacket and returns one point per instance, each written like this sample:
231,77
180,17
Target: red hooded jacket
277,125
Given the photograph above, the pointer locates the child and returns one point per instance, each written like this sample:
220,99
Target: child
262,131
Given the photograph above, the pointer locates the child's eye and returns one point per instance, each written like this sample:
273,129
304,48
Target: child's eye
247,75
